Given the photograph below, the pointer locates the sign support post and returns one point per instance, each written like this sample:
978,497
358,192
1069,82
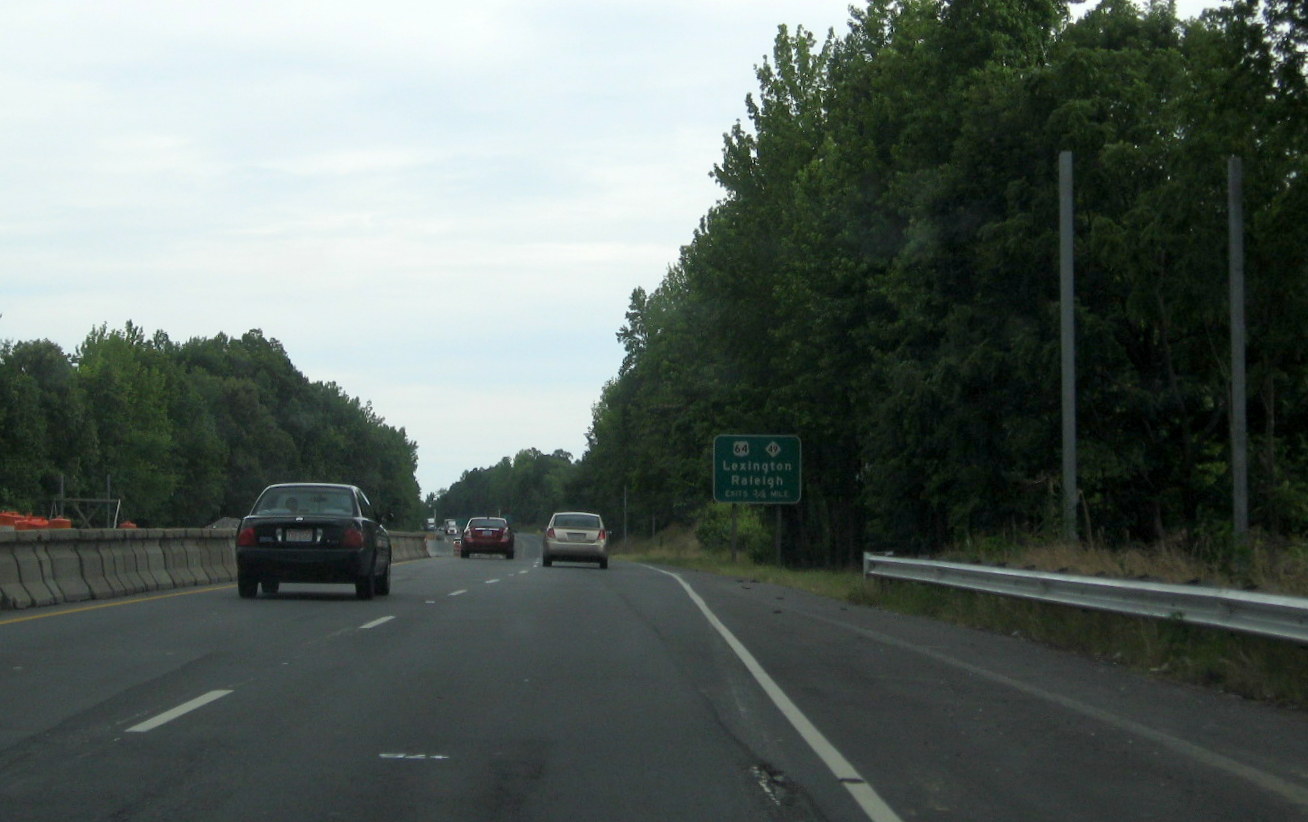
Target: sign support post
757,469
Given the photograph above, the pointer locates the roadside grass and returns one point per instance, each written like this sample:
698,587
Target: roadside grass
1281,569
1267,670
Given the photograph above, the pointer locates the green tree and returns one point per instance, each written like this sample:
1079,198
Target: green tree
125,379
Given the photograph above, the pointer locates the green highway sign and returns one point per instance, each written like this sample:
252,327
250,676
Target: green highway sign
760,469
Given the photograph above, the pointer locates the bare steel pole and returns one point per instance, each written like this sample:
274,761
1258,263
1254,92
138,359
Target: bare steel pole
777,536
734,530
1239,429
1068,345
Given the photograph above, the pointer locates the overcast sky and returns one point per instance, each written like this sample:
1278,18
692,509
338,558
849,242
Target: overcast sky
441,206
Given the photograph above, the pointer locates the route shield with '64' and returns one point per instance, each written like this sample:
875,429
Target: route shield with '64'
762,469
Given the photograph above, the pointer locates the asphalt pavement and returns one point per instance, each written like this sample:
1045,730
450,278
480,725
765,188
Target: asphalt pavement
493,689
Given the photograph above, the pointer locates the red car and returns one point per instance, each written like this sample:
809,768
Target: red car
487,535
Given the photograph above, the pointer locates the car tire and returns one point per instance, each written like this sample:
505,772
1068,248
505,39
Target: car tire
604,563
546,561
247,588
383,583
270,586
365,588
509,555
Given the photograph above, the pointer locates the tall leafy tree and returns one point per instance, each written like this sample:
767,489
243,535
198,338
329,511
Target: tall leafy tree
125,379
880,276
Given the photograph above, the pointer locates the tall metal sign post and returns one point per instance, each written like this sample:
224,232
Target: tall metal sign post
757,469
1239,429
1068,331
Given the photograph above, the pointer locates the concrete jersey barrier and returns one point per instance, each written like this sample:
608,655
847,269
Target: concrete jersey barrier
73,565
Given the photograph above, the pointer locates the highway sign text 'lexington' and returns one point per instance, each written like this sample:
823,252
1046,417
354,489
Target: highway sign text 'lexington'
763,469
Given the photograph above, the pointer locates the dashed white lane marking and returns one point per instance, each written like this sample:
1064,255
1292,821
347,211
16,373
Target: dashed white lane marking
491,581
867,798
184,708
376,622
458,593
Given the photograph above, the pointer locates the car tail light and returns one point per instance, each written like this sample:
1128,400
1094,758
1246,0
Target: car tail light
549,533
246,537
601,535
504,535
352,538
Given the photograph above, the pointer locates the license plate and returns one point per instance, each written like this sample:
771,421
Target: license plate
299,535
576,537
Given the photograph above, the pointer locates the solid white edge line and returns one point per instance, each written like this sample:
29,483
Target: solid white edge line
1269,782
184,708
376,622
863,793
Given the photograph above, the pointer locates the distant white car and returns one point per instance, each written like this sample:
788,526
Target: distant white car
451,528
576,536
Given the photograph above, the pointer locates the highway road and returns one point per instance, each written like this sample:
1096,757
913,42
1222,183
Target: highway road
492,689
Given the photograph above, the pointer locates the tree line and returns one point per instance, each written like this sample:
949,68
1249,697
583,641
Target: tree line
186,433
880,277
526,489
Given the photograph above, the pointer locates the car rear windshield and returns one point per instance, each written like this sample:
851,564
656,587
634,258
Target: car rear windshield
589,521
305,501
487,523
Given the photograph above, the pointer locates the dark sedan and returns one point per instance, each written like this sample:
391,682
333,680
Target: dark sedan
487,535
312,532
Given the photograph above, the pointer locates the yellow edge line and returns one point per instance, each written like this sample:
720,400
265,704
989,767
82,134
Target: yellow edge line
114,604
100,605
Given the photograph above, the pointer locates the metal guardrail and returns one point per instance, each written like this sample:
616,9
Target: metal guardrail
1268,615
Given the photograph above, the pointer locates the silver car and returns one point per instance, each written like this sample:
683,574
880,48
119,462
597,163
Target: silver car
575,536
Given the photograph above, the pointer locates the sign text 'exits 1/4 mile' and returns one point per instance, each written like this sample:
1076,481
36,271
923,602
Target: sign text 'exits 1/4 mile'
762,469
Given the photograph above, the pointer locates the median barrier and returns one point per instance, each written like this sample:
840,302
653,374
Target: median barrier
125,563
44,567
406,546
219,549
12,592
115,563
155,573
91,559
136,544
106,543
66,571
184,563
29,572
